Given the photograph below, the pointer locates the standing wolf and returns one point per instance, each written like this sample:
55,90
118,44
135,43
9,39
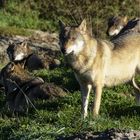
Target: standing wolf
98,63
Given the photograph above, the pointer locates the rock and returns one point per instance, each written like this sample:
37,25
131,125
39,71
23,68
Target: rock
109,134
41,43
46,39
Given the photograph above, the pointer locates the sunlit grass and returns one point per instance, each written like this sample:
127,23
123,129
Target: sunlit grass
62,117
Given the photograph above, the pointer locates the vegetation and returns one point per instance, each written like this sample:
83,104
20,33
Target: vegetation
62,117
44,14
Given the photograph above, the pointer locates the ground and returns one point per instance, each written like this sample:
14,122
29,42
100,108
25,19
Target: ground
61,118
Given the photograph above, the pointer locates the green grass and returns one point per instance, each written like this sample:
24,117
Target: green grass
11,31
44,15
62,117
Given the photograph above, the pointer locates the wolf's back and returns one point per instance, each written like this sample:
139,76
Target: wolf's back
128,39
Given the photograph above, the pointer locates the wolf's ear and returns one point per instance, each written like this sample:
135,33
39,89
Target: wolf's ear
10,42
125,19
83,26
24,44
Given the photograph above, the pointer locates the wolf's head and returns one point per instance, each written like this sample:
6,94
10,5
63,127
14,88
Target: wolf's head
116,24
18,51
14,74
73,39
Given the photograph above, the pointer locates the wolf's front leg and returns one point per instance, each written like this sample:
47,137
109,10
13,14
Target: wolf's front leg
85,91
97,102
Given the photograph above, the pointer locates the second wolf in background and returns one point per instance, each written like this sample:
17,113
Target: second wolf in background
120,24
19,51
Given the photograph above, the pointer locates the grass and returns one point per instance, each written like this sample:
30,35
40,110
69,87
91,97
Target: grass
44,15
62,117
11,31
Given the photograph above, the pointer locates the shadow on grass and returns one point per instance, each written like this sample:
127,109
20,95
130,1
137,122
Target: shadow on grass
49,105
62,76
117,112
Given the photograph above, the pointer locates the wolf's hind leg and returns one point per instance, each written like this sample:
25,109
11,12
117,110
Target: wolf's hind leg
98,94
137,91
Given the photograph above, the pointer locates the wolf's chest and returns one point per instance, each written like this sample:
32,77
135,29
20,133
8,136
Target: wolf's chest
87,76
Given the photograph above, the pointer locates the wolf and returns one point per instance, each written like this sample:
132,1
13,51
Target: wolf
19,51
118,25
98,63
21,87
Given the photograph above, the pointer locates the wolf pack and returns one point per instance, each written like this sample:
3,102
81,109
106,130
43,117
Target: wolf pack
96,64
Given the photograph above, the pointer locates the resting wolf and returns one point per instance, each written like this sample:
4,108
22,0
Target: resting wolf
18,51
21,87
